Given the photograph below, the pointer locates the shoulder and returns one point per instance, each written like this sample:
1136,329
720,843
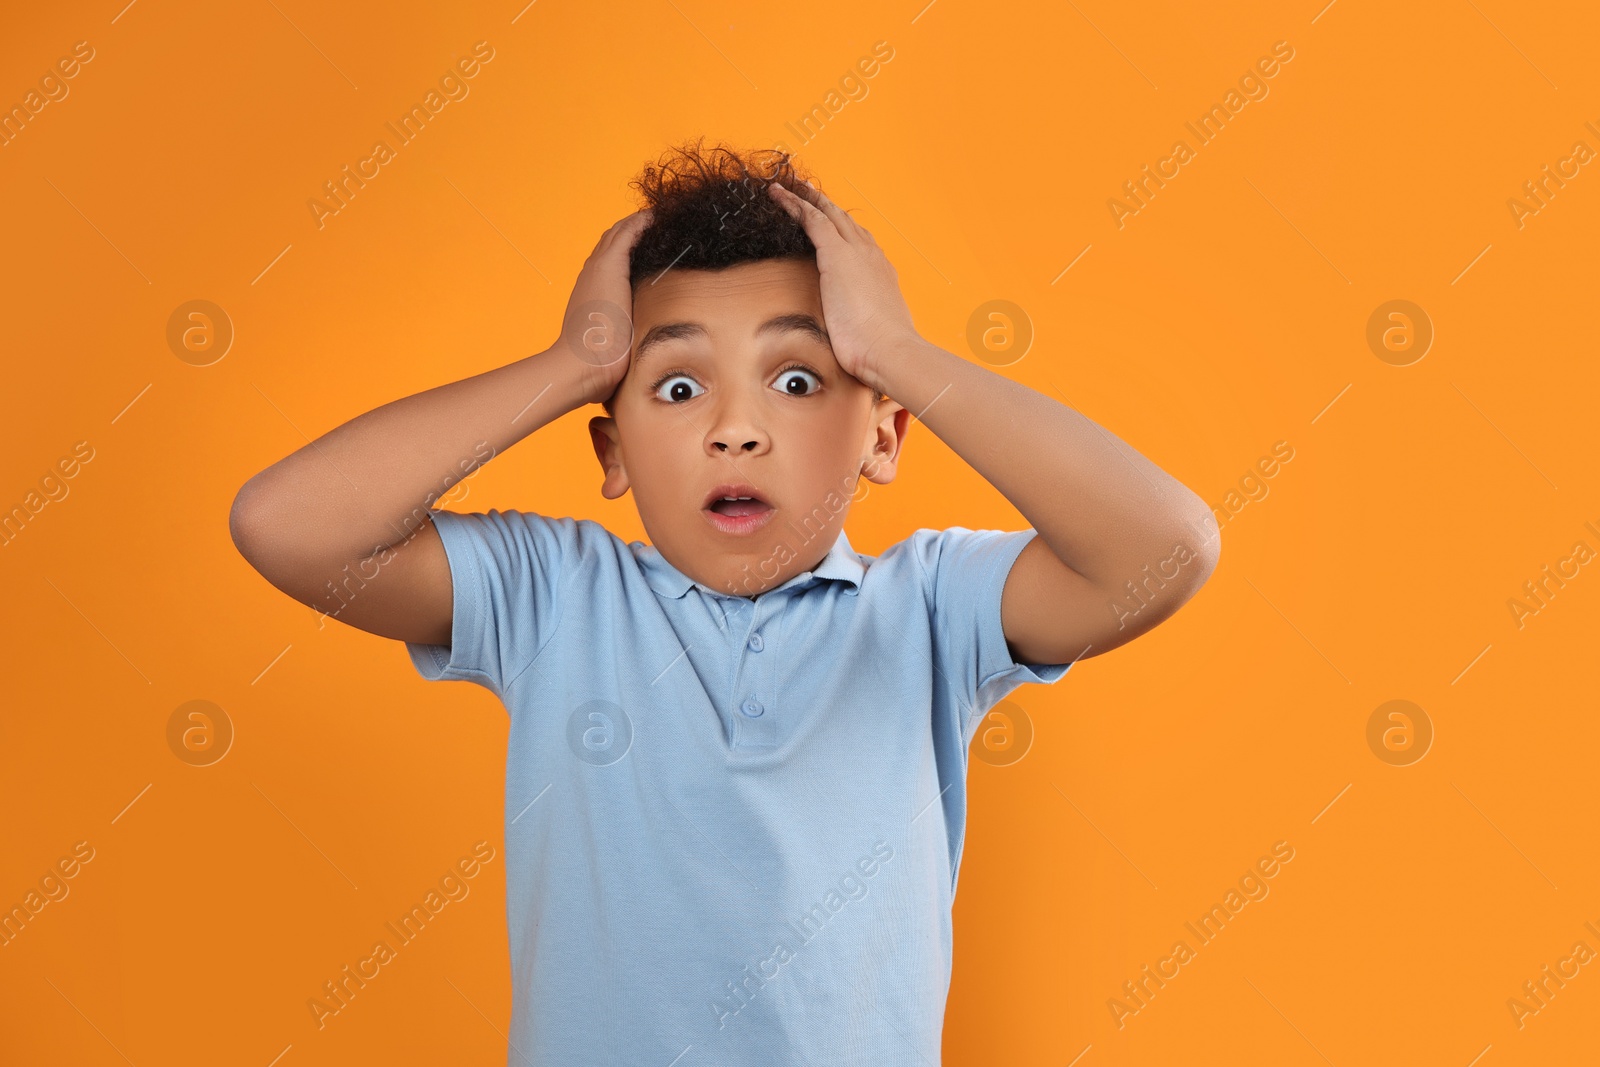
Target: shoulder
511,537
512,522
953,554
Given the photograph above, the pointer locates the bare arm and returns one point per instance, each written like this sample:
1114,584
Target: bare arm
1121,543
342,524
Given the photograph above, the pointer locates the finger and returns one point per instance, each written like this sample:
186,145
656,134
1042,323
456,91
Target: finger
633,226
847,225
818,226
627,229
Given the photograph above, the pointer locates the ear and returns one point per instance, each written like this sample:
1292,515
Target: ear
608,450
888,437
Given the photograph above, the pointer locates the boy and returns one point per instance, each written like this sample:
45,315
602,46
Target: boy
735,785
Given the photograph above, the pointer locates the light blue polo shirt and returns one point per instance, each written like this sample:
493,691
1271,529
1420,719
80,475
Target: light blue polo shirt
733,825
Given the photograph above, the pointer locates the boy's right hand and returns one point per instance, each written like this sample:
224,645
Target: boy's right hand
597,329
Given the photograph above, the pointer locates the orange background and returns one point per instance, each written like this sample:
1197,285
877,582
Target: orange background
1226,315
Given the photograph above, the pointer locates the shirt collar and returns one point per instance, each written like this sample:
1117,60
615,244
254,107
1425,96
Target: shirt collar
841,563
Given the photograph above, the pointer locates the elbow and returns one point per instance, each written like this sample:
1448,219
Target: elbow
1209,553
1201,529
245,519
1200,538
1206,563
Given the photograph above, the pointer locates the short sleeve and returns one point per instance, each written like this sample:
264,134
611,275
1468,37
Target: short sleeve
506,569
965,573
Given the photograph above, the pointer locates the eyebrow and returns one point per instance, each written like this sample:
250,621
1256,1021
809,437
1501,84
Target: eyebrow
675,331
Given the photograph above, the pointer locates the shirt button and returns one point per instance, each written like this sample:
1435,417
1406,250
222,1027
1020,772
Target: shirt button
752,707
756,644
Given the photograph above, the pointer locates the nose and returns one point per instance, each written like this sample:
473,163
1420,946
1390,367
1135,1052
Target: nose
745,447
733,430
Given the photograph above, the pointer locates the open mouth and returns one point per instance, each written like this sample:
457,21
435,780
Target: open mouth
737,508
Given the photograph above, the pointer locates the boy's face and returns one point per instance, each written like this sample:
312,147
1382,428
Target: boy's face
718,395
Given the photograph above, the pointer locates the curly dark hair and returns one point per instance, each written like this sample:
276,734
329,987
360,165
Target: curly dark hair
711,210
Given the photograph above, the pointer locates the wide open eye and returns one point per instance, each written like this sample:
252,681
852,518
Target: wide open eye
787,379
678,388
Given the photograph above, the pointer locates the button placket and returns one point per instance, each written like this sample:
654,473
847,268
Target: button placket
756,725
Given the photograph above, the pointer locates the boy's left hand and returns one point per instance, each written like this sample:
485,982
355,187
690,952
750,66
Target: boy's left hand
866,317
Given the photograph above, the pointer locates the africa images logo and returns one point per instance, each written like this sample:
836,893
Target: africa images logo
850,887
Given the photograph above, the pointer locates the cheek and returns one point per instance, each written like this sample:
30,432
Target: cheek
828,454
660,449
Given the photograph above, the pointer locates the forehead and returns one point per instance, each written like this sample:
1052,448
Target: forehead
755,301
737,298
